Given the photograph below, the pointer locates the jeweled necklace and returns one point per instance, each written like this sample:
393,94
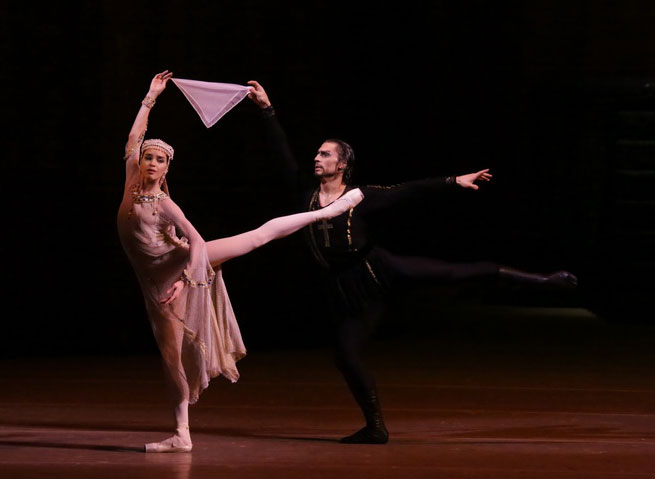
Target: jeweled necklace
146,198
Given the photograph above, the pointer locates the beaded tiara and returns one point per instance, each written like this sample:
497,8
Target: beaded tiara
158,145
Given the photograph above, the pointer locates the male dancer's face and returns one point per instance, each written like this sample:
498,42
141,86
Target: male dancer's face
326,161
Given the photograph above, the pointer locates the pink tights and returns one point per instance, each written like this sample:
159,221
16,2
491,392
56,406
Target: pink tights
221,250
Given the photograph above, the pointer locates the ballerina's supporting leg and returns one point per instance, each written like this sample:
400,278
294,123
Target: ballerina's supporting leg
223,249
169,334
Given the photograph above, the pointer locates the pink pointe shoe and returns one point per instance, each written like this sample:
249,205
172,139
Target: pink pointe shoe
353,197
173,444
339,206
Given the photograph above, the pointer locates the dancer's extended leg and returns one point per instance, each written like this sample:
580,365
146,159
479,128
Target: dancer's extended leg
418,267
353,333
415,267
223,249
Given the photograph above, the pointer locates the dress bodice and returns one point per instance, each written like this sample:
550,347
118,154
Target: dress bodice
143,229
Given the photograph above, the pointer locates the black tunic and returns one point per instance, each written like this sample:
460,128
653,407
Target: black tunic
357,272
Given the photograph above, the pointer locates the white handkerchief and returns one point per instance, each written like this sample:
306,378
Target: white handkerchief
211,100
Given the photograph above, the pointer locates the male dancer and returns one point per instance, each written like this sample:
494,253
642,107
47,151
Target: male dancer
357,273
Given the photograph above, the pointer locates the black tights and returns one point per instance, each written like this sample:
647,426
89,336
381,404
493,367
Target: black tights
353,332
410,268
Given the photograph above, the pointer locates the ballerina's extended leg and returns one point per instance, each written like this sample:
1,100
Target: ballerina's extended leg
223,249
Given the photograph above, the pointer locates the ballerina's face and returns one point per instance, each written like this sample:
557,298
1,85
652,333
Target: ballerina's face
153,164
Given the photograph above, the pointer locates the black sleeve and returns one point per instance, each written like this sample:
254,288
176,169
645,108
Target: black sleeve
377,198
277,143
281,154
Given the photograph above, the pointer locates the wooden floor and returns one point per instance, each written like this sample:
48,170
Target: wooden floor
521,393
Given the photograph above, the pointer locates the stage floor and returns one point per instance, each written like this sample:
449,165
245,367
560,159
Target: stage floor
521,393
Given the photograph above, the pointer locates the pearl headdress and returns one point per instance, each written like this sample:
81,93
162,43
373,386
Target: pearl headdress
158,145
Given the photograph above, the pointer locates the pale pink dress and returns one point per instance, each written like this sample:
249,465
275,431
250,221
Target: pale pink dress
198,334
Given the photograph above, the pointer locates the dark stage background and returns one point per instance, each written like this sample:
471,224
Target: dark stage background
554,96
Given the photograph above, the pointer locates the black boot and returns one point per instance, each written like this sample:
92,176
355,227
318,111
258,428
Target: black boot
558,279
375,431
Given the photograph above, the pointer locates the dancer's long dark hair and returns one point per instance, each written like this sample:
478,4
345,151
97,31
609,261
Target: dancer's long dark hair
347,156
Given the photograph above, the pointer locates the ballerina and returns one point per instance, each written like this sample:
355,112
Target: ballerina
180,274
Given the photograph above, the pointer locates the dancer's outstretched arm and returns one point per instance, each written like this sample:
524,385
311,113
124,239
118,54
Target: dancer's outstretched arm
140,124
221,250
383,197
293,177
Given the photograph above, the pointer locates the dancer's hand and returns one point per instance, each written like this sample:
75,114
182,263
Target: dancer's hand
173,292
258,95
468,181
158,83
